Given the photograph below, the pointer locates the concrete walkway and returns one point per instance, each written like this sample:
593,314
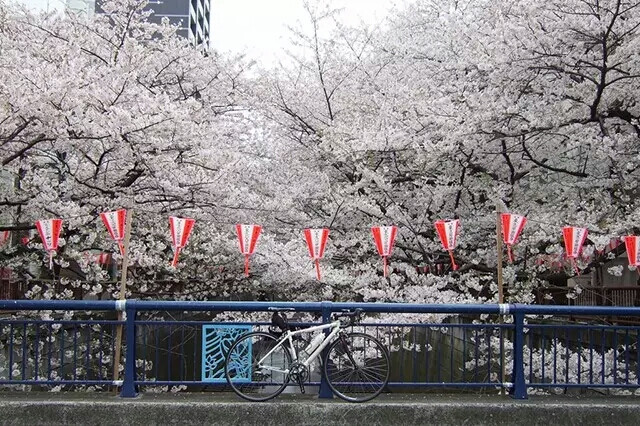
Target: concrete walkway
33,408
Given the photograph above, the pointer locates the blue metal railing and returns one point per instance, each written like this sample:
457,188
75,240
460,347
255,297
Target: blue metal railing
166,352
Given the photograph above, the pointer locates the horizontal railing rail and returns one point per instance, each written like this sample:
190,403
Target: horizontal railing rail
526,343
589,296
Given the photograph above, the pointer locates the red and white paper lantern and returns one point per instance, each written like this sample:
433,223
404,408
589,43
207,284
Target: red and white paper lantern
99,258
632,244
512,225
4,237
574,239
115,222
448,233
103,258
316,239
49,230
180,232
611,246
248,238
384,237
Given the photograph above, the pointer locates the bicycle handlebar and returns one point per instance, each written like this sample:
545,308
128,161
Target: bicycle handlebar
354,315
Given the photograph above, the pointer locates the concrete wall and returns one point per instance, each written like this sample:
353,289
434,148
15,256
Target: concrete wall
224,409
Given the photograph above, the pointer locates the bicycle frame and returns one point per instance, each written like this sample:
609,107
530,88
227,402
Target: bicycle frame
288,338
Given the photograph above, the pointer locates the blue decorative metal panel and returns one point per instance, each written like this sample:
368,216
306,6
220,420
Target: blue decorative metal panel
216,341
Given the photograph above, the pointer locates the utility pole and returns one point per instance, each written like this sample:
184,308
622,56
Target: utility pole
123,289
500,208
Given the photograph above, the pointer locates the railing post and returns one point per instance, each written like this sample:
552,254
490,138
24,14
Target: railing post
325,390
519,384
128,385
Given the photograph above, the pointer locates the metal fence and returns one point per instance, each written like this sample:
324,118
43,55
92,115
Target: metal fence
589,296
518,347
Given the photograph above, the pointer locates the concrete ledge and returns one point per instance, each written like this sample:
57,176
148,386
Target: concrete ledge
17,408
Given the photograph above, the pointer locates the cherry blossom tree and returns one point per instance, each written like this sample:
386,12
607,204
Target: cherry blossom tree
442,111
118,112
453,107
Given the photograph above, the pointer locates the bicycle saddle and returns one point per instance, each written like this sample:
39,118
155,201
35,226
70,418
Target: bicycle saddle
279,321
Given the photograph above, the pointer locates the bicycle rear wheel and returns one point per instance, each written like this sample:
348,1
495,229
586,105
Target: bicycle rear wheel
254,380
357,367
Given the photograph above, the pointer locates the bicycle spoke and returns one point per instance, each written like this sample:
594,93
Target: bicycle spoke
363,372
347,374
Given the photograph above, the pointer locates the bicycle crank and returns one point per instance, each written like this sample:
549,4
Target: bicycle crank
299,372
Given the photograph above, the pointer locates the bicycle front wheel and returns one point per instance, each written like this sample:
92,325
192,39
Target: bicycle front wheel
257,368
357,367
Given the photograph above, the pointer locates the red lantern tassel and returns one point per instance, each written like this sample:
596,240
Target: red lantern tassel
246,265
51,259
575,265
121,247
509,253
175,256
318,269
453,262
384,262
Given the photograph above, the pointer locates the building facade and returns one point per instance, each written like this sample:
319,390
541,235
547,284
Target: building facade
191,16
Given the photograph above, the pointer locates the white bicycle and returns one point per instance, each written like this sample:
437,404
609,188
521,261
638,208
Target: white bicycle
259,365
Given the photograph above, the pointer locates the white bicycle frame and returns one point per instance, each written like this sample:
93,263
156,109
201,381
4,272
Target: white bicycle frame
288,338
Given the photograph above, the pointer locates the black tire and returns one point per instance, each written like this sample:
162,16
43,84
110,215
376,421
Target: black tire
249,382
357,367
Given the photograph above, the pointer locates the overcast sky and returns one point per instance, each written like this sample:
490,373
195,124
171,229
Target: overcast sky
259,27
43,4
